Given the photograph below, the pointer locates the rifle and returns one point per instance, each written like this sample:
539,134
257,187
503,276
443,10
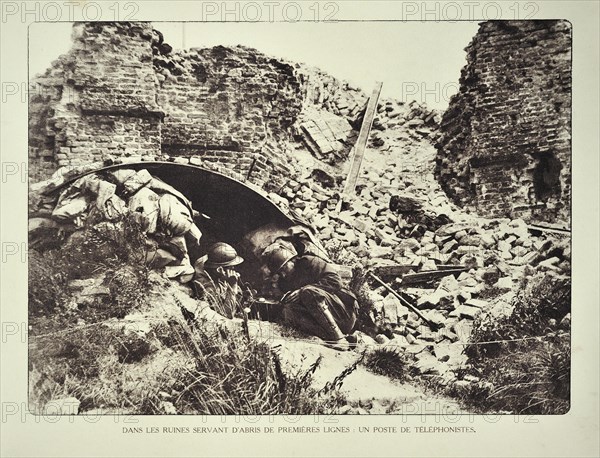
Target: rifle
433,326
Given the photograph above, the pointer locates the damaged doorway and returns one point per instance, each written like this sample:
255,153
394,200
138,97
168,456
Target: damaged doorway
546,177
232,211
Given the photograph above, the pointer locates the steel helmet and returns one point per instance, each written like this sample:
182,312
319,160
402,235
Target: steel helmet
278,258
222,255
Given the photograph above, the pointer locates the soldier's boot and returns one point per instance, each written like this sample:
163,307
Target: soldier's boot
333,335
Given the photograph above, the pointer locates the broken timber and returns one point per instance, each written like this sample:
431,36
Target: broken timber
433,326
552,228
394,271
428,275
403,270
361,143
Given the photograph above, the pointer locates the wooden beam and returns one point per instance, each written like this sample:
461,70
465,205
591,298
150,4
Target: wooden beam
450,267
401,270
394,271
361,143
552,228
429,275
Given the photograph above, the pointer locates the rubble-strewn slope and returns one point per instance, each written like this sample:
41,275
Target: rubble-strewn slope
400,216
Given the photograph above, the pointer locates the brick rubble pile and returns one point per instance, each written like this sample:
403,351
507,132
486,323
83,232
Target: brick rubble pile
400,216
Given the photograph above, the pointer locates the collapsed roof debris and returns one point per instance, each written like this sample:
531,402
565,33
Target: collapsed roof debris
329,137
437,257
445,265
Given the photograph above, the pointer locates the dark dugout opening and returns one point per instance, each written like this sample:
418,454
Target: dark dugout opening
234,208
546,177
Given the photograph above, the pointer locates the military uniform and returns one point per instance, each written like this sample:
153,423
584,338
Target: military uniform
320,294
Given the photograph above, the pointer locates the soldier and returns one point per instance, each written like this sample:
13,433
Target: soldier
217,282
315,299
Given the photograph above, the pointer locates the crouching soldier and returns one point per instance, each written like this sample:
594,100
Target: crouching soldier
315,300
216,281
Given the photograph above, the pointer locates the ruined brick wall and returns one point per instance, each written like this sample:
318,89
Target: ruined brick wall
120,91
231,106
96,101
505,145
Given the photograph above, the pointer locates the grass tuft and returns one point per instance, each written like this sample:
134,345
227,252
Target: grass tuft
389,362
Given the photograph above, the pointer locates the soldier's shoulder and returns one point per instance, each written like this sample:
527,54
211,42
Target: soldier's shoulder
311,260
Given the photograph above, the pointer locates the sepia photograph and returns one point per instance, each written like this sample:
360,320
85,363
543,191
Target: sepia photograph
309,220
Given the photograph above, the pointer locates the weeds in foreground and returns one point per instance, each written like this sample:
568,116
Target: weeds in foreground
535,312
93,365
231,374
530,372
48,280
225,299
114,251
192,370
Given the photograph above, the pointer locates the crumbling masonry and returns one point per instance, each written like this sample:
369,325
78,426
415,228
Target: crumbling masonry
505,148
121,92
